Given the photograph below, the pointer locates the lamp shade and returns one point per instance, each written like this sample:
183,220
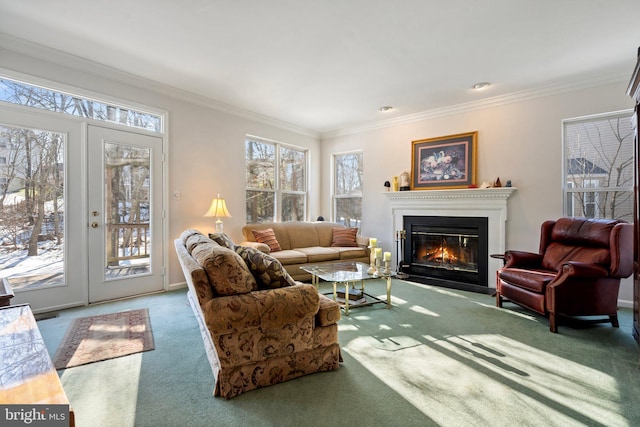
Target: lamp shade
218,209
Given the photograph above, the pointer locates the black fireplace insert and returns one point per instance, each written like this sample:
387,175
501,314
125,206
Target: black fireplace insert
447,251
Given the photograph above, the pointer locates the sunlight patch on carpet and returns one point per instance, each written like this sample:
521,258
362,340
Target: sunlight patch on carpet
106,336
471,376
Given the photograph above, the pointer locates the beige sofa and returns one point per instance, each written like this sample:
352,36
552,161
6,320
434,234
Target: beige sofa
306,243
259,326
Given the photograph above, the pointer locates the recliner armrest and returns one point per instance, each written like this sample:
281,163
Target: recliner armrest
261,309
583,269
522,259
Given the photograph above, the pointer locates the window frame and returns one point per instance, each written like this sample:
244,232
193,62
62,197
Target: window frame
595,192
277,191
162,116
336,196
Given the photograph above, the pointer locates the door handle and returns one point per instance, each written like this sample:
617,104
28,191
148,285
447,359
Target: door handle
94,225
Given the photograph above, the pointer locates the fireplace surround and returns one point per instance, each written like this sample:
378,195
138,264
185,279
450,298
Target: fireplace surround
462,206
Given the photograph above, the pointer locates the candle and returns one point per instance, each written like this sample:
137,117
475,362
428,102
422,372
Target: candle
378,252
373,242
387,256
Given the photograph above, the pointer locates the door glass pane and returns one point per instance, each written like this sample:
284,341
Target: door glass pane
127,210
31,207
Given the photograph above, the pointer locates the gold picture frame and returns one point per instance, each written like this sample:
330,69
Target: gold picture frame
444,162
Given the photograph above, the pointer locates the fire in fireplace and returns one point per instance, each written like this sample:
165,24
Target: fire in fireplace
447,251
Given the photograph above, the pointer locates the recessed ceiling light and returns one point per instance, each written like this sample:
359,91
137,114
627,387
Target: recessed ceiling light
481,85
386,108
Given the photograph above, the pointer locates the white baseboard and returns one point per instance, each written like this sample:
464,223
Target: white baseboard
174,286
625,303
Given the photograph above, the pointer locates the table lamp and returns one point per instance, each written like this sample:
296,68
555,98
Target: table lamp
218,209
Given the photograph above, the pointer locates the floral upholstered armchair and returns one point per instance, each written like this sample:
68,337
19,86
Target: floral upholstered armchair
259,326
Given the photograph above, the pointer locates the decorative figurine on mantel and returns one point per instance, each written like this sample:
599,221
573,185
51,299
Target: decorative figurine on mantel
404,181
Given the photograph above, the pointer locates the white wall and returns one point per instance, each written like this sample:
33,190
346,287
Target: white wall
206,146
520,141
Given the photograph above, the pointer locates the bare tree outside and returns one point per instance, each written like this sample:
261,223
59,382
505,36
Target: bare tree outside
599,167
32,208
46,99
276,182
348,189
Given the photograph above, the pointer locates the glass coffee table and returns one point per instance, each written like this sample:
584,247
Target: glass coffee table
349,274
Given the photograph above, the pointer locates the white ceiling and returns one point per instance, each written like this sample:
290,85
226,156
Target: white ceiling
325,65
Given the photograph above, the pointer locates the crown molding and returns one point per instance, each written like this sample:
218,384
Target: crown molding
496,101
64,59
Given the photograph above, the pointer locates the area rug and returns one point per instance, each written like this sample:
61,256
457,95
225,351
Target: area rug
106,336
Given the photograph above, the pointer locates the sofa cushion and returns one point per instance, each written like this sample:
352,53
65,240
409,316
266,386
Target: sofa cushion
344,237
351,253
223,240
227,272
320,254
267,237
191,240
290,256
267,270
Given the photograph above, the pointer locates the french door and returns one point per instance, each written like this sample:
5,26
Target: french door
81,210
124,213
41,213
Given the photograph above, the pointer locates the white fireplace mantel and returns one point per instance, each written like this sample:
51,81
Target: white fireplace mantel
478,202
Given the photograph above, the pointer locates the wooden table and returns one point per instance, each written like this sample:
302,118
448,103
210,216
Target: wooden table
27,375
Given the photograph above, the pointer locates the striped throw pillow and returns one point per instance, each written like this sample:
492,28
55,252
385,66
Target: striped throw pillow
344,237
267,237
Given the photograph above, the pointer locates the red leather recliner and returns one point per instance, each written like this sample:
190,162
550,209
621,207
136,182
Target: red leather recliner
577,271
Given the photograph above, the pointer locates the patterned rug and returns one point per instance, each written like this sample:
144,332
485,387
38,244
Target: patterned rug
107,336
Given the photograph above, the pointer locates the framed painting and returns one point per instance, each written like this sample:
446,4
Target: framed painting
444,162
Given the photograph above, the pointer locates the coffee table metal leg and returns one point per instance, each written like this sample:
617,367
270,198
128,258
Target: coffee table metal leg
389,292
346,298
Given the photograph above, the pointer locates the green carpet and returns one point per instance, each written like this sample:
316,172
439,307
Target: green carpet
439,357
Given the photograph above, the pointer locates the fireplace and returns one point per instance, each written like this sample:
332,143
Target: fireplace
464,207
452,251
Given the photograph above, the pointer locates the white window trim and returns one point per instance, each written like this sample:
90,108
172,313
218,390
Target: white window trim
278,191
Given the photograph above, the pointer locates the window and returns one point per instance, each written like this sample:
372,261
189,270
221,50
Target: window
15,92
276,181
348,189
598,166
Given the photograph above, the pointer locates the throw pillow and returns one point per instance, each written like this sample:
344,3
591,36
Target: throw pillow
227,272
268,237
223,240
344,237
268,271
